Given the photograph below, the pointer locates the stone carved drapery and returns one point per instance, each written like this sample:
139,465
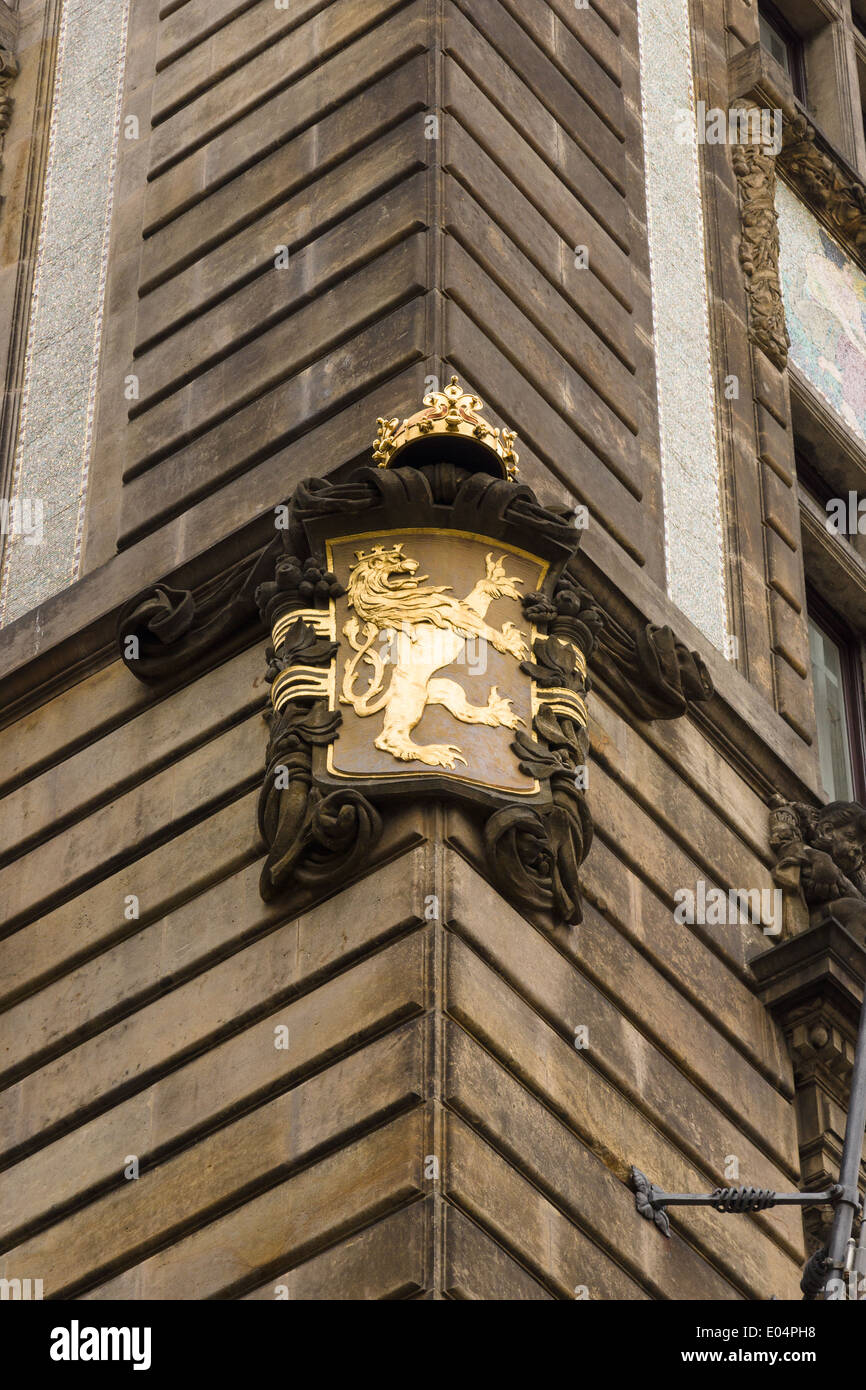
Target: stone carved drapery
457,480
304,830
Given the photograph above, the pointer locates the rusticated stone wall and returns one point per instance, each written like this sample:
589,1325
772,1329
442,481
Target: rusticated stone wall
308,1164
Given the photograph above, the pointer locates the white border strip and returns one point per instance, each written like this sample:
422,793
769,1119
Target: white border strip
694,542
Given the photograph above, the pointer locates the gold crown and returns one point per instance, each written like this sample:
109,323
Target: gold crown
452,413
379,550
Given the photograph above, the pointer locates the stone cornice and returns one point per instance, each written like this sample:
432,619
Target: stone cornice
824,961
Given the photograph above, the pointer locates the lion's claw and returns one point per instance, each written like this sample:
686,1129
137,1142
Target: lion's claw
433,754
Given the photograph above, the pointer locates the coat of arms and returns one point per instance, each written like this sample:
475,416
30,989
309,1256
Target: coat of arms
429,675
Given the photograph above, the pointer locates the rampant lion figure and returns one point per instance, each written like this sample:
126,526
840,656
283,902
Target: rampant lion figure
428,628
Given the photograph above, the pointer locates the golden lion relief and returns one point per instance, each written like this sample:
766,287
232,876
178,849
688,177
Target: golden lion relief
428,629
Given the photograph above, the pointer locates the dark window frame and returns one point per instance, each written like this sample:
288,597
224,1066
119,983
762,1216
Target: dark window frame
821,613
812,480
791,38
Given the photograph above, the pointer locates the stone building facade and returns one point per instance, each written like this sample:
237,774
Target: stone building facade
234,236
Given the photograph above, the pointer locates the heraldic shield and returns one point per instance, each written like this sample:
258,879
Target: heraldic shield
430,671
429,640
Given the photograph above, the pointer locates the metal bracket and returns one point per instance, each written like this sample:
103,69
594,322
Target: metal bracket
652,1202
646,1196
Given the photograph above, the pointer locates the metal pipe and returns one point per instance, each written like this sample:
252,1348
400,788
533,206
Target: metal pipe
848,1202
711,1199
860,1260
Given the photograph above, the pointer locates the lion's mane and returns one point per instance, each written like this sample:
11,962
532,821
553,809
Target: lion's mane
388,599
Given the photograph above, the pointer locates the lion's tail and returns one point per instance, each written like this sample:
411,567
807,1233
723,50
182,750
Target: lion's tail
361,704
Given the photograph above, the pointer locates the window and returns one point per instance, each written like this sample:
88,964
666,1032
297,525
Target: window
838,703
784,44
858,16
812,480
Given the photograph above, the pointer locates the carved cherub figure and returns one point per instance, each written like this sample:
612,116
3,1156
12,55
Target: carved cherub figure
821,852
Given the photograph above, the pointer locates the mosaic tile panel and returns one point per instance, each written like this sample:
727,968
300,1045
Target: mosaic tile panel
55,434
825,310
689,451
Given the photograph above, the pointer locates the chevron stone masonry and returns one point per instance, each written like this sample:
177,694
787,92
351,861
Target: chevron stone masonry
293,1003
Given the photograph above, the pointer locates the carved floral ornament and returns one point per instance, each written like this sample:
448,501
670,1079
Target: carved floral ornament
8,74
429,638
755,167
827,187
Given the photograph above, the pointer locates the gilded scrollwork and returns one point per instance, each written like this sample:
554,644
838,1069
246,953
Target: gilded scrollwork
309,835
536,853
